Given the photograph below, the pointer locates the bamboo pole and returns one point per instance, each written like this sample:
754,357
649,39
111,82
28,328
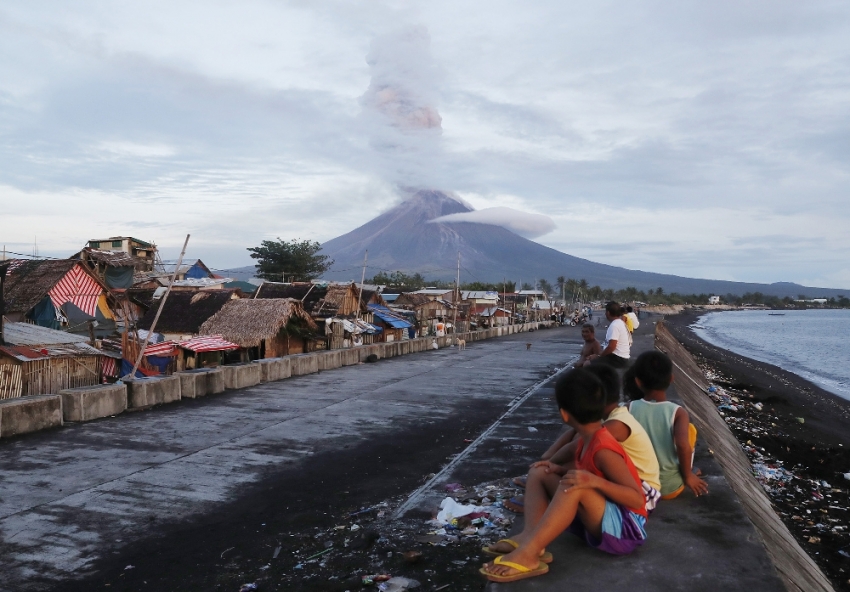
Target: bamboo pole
159,311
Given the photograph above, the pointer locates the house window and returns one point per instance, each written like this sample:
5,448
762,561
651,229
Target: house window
116,243
94,244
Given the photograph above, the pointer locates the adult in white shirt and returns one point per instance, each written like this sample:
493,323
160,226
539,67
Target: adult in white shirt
617,343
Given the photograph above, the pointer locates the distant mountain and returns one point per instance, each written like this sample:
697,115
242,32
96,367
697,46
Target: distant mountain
241,274
403,239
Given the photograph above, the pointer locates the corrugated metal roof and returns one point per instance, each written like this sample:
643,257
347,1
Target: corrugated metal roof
433,291
26,334
388,317
479,295
22,353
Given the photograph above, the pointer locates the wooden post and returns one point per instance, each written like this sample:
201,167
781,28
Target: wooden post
159,311
362,279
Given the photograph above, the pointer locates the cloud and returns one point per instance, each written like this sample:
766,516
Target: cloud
706,140
522,223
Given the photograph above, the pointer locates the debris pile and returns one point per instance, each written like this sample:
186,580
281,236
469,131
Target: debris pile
369,549
805,483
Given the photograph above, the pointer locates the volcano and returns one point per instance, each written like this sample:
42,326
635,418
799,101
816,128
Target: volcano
405,239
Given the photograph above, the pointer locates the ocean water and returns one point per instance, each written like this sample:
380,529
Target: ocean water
814,344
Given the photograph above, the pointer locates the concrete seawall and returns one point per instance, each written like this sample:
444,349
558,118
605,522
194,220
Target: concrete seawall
29,414
797,570
93,402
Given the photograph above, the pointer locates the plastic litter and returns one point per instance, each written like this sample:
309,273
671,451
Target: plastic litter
449,509
129,567
532,429
248,587
398,584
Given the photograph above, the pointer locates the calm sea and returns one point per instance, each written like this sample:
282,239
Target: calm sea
814,344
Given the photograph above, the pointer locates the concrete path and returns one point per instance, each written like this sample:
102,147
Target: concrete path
71,497
694,544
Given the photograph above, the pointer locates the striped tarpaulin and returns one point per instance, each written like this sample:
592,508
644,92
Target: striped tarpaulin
78,288
208,343
164,349
108,368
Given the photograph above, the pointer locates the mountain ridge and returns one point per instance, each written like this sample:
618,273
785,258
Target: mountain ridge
404,239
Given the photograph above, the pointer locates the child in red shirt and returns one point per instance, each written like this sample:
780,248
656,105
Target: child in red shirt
601,499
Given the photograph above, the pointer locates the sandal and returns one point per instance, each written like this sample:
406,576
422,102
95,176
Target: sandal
515,505
520,481
522,572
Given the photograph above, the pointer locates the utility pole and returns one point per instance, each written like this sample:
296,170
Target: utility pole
457,297
362,279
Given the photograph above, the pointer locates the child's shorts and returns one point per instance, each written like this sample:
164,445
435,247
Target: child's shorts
622,530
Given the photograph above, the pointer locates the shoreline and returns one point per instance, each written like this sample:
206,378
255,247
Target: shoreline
799,464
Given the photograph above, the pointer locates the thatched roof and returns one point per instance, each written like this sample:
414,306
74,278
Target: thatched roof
412,299
111,258
319,301
29,280
185,312
248,322
371,297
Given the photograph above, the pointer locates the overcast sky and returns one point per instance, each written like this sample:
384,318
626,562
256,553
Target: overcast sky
704,139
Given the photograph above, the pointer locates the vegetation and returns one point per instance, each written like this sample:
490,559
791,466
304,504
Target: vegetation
293,260
569,289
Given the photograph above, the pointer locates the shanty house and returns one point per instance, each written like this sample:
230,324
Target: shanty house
37,361
431,313
394,327
36,291
263,328
495,316
127,244
329,304
184,312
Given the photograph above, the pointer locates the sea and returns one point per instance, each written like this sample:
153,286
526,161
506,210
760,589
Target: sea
813,344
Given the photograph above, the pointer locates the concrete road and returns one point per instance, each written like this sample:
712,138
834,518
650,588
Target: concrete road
77,503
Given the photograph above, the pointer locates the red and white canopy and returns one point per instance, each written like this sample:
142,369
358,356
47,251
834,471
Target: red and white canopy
208,343
165,349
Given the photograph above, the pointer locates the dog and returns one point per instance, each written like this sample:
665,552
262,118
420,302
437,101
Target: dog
461,343
527,346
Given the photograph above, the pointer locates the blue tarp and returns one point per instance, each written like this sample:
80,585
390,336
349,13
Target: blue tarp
43,314
127,367
388,317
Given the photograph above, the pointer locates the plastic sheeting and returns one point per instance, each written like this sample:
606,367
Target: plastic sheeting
44,314
119,277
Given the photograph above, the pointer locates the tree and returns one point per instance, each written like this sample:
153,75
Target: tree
297,260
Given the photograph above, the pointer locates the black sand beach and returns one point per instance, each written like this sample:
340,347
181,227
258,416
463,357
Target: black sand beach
797,435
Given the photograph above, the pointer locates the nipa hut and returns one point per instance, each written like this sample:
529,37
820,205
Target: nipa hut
37,361
263,328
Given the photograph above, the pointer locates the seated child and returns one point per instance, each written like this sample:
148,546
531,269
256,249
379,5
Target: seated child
625,429
667,424
600,500
591,347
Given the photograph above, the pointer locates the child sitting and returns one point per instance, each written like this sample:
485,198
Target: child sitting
600,500
667,424
625,429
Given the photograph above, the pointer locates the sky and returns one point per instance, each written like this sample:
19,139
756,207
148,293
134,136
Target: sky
707,140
